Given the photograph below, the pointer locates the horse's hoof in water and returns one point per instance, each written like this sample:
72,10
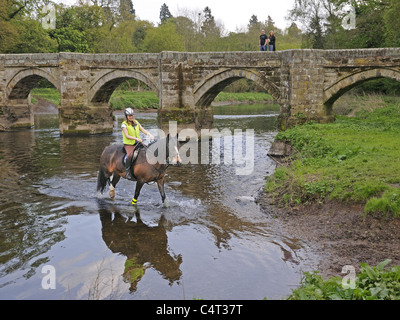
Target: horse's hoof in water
112,192
166,204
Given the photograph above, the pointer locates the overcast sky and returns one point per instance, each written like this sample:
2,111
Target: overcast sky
234,15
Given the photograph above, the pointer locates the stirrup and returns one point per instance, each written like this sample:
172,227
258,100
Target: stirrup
128,174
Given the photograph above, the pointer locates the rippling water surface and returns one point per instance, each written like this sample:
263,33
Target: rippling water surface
212,241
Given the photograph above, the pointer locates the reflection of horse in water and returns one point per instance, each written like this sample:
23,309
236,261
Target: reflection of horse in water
150,165
141,245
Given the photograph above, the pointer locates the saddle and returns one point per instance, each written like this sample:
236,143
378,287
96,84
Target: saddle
134,156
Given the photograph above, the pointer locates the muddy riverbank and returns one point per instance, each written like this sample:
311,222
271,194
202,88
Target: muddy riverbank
339,233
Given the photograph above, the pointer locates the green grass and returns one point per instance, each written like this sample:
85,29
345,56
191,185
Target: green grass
49,94
353,159
371,283
243,96
122,99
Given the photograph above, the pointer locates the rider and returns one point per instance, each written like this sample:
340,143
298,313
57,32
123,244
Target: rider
131,138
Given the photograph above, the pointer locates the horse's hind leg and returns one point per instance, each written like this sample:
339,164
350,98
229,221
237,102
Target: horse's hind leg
113,184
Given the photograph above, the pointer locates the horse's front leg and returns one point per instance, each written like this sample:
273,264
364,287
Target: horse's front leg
160,184
139,186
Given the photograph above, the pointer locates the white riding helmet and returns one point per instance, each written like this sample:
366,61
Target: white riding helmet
129,112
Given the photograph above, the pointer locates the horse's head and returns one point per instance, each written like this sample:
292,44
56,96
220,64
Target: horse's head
173,150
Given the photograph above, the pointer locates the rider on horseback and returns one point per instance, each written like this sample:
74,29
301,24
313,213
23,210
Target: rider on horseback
131,138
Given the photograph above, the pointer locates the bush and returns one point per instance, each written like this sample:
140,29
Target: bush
372,283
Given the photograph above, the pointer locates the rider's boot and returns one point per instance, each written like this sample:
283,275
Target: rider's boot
128,168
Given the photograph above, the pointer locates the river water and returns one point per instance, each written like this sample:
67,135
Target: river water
59,239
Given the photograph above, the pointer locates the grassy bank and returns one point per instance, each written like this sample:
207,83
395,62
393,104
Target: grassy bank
49,94
353,159
138,100
243,97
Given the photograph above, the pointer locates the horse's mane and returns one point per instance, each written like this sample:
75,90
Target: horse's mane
151,143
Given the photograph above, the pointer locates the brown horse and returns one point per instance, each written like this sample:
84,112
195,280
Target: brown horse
151,163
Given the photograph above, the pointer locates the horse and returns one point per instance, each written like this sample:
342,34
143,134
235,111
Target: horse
150,165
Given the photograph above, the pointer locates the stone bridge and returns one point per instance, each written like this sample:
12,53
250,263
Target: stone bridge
305,83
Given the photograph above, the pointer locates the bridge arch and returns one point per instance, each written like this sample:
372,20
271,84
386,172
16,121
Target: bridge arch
104,86
336,90
207,89
25,80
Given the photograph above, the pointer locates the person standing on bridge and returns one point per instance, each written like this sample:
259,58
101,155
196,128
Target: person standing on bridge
263,41
131,138
271,41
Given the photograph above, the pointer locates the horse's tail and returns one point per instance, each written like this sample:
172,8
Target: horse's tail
102,180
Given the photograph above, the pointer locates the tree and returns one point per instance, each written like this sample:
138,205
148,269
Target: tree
209,27
126,10
291,38
80,28
269,25
392,24
165,14
131,8
163,38
8,36
71,40
8,31
312,14
139,34
18,8
253,23
293,31
111,10
370,24
33,38
186,29
254,28
118,39
19,33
